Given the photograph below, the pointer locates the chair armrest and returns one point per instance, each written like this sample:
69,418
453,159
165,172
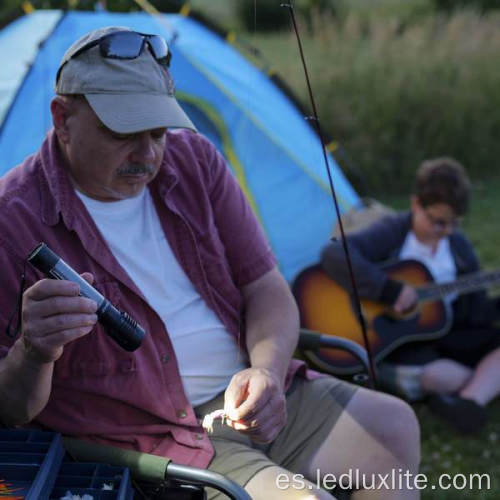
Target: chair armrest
310,340
203,477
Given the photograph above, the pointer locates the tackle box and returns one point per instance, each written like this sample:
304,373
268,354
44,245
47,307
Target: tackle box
29,463
34,466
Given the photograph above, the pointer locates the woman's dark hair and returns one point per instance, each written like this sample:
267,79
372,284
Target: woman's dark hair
443,180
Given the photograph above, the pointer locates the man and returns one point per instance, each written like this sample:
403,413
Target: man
161,229
462,369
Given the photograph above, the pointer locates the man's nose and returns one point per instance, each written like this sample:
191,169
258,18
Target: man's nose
144,151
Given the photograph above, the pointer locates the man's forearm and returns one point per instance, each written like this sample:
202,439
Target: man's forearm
272,326
25,386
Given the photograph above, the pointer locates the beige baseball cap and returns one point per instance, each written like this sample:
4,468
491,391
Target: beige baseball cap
128,95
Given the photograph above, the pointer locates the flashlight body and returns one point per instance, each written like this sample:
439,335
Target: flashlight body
118,324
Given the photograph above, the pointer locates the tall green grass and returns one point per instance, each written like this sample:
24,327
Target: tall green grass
395,91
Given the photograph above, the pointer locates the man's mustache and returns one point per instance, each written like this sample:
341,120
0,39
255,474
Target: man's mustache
136,169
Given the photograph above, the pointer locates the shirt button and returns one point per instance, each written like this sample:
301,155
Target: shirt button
182,413
199,436
165,358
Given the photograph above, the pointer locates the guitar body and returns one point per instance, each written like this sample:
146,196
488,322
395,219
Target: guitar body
326,307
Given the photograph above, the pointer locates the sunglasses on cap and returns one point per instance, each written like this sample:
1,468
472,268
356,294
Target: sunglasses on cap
127,45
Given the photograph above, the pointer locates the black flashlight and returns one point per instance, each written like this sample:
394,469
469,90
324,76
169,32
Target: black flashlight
123,329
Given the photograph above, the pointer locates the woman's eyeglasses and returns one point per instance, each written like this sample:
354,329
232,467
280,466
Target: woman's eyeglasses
441,224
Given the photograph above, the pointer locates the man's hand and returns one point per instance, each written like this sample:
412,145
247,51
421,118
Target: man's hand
406,300
255,404
53,314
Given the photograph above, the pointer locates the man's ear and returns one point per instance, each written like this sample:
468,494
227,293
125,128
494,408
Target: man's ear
60,109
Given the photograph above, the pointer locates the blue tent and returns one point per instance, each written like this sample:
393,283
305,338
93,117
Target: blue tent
274,153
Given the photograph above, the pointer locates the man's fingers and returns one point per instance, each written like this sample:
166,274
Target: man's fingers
62,322
49,287
235,393
88,277
274,409
58,339
272,412
249,392
261,430
61,305
53,314
46,288
258,392
250,407
262,413
63,338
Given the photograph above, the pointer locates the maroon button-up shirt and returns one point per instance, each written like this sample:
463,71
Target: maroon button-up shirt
101,392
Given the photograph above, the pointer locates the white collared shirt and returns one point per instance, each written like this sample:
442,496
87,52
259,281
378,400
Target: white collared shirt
439,262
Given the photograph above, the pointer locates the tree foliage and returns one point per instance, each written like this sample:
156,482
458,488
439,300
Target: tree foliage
482,5
269,15
112,5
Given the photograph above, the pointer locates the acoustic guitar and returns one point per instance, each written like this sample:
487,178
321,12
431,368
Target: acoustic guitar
328,308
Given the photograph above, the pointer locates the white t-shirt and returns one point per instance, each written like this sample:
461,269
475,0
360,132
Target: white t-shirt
440,262
207,354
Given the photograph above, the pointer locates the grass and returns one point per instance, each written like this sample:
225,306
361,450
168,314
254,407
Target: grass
444,452
395,83
394,94
221,11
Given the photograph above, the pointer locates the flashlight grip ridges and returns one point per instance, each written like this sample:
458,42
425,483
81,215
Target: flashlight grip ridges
121,327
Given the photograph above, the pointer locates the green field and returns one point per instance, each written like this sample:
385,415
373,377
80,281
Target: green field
395,83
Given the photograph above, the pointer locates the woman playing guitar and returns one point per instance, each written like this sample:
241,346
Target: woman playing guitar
461,369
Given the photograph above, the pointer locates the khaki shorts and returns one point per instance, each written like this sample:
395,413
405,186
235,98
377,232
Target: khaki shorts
313,408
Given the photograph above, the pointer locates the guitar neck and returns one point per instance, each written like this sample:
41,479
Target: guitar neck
468,283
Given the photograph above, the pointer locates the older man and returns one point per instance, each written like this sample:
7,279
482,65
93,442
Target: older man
156,222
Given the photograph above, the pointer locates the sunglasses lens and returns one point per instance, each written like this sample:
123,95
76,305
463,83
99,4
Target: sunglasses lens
123,45
159,48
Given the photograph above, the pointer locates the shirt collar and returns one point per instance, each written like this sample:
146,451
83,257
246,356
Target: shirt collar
57,192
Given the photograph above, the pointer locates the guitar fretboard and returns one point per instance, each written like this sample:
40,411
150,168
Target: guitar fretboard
468,283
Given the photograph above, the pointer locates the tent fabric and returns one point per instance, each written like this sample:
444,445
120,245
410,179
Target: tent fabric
18,49
274,153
